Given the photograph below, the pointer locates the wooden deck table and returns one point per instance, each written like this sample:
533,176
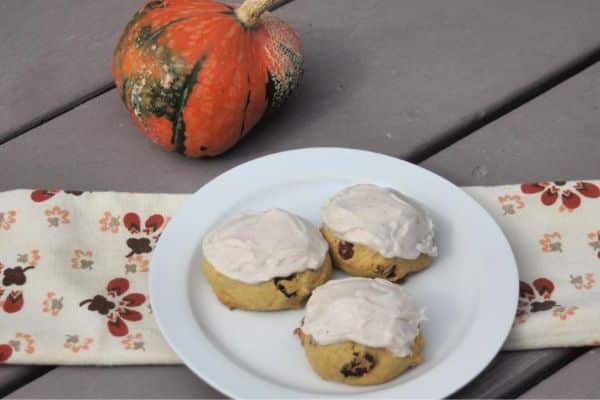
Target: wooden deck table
481,92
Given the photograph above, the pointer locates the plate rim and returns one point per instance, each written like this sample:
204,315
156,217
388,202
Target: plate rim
272,389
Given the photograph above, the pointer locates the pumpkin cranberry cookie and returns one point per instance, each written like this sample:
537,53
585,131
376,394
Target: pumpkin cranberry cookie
377,232
361,331
265,261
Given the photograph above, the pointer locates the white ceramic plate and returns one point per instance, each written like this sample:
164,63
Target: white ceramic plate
469,293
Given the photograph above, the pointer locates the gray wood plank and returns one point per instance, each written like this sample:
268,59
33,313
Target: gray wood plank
553,137
53,53
413,71
513,372
123,382
577,380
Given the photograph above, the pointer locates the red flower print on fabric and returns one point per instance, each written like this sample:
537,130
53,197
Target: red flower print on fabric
22,342
535,297
117,306
11,296
5,352
568,192
144,238
41,195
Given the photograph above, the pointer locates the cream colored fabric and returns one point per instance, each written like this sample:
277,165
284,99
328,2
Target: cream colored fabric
74,269
557,247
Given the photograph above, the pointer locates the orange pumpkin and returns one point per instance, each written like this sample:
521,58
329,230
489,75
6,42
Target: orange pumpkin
197,75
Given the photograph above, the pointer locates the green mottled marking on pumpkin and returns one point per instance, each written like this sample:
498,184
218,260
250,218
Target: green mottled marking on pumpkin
124,90
150,95
270,91
151,5
230,10
146,36
178,138
245,108
279,88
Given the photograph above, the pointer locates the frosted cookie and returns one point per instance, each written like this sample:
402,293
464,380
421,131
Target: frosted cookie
377,232
361,331
270,260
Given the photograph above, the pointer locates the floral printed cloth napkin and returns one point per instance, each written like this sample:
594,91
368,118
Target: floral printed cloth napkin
74,266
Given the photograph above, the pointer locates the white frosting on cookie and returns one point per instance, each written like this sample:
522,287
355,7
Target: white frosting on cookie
381,219
372,312
257,247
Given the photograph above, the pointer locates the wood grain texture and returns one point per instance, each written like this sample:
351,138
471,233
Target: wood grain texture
406,74
122,382
54,53
554,137
577,380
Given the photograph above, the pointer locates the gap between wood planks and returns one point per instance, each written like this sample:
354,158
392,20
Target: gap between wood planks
504,106
30,376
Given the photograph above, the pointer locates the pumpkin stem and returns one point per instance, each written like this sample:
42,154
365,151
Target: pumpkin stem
250,11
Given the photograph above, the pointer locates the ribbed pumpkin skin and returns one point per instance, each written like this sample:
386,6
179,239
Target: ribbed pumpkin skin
195,80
